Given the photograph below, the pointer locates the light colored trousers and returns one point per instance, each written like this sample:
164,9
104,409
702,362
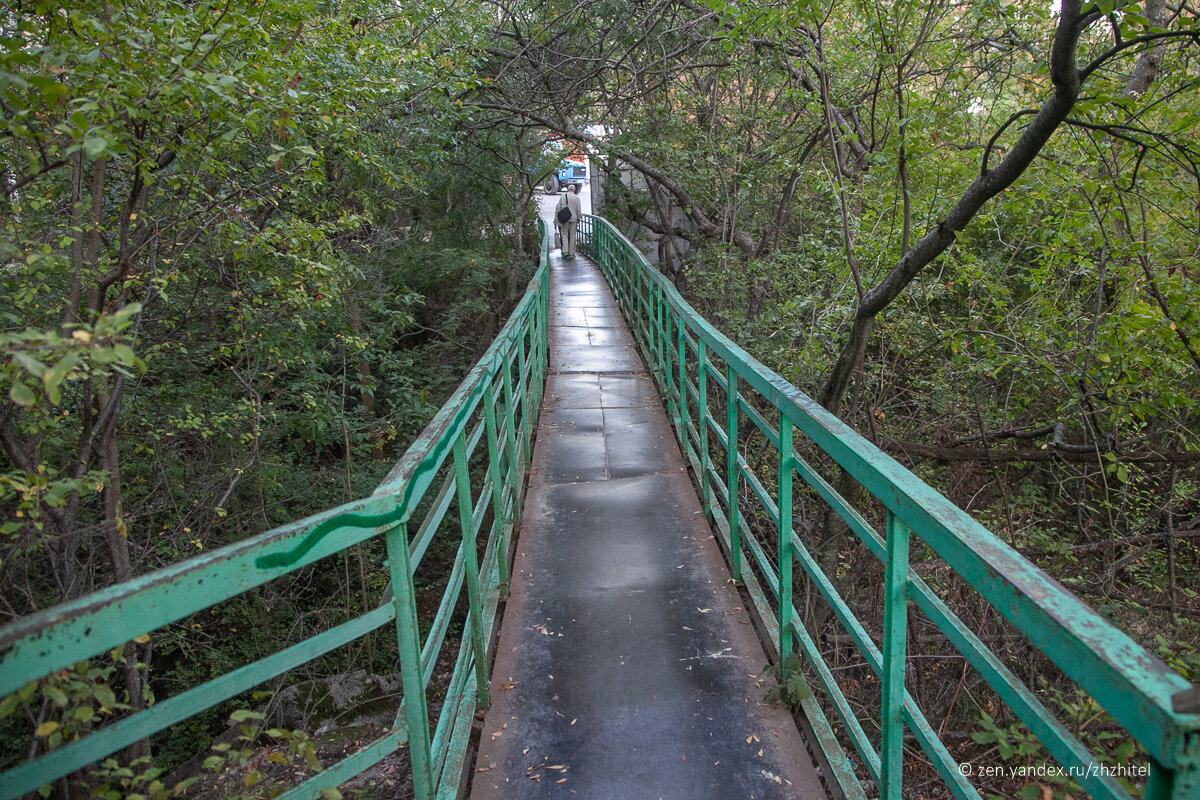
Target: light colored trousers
567,231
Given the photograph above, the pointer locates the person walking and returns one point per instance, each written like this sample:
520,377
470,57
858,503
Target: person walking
566,216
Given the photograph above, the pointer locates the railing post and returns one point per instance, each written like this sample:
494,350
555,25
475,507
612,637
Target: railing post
668,348
462,482
682,419
525,415
515,467
629,279
702,418
652,323
731,471
545,342
646,310
787,465
408,638
535,385
660,335
895,624
498,510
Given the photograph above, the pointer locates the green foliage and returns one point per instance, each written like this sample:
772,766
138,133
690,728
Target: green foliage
1012,742
136,781
245,756
1084,717
790,688
241,272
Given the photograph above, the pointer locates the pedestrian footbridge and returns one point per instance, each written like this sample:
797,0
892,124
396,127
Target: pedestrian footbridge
633,500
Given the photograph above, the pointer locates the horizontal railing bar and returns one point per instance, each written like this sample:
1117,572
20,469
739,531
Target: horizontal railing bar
854,520
436,636
759,421
460,678
450,595
1130,682
692,342
857,735
464,664
348,767
1059,741
54,639
456,750
59,637
837,604
716,375
946,765
29,776
429,451
50,640
693,436
433,520
765,500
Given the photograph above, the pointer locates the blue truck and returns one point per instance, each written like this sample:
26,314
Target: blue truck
572,170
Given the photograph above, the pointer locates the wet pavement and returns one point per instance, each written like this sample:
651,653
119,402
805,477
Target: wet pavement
627,666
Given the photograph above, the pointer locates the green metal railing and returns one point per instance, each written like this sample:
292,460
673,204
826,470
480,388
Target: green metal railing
698,370
496,404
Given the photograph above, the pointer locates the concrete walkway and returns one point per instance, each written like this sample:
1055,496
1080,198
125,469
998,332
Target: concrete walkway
627,667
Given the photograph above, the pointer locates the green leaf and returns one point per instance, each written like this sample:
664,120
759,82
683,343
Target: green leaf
94,146
8,705
106,697
184,785
31,364
22,395
330,793
57,374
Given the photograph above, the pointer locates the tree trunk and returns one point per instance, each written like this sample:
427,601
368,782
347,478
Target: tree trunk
1067,82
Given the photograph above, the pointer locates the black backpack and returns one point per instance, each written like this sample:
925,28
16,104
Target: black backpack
564,214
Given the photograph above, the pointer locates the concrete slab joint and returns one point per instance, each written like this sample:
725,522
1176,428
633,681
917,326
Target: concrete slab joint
627,666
